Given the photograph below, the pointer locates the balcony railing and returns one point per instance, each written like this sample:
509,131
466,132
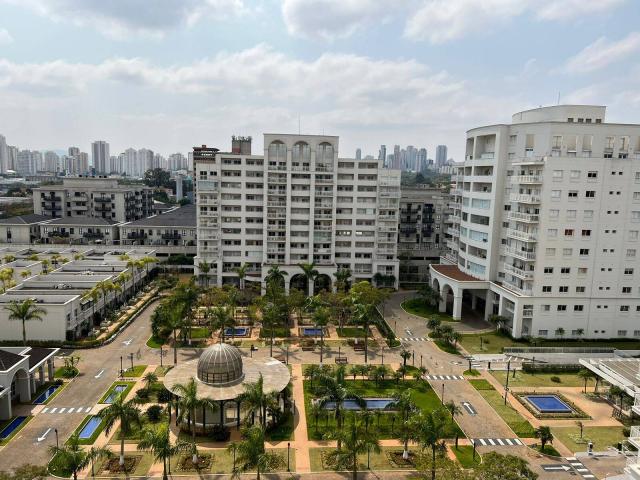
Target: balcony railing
518,272
93,235
102,199
454,232
58,234
136,236
171,236
524,217
522,255
522,291
524,198
520,235
526,179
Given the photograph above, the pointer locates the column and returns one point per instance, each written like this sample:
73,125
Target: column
442,306
488,305
310,288
23,383
221,413
5,407
32,382
457,306
50,369
41,374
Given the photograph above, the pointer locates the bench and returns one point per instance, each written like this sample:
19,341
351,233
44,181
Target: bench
358,347
342,360
308,348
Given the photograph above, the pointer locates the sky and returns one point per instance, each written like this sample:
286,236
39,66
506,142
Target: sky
408,72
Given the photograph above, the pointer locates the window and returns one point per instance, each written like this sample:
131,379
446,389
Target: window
624,308
573,194
550,252
552,232
580,289
628,271
586,233
567,252
590,194
553,213
588,214
622,333
578,308
568,232
584,251
555,194
563,289
548,269
546,308
626,289
633,234
561,308
571,214
575,174
557,175
592,174
582,271
631,252
565,270
546,289
543,333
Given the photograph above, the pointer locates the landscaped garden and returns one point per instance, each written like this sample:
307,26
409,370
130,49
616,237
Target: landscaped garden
602,437
418,306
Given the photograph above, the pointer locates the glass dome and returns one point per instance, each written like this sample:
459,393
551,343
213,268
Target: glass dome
220,364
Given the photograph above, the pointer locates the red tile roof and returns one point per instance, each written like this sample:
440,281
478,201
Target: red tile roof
453,272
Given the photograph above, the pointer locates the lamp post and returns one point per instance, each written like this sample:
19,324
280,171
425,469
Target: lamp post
288,456
442,393
382,358
287,354
506,385
413,361
131,356
57,444
420,360
121,369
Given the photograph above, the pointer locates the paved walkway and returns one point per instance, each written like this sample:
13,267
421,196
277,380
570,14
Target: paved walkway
303,462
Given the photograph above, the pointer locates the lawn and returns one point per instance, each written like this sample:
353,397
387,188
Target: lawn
278,332
417,306
137,371
124,392
384,422
282,432
64,372
446,347
351,332
540,379
200,332
134,434
377,461
602,437
162,371
140,471
464,454
511,417
155,342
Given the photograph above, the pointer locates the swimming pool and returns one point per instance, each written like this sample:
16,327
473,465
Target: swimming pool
118,389
370,404
90,427
311,331
548,404
237,331
45,395
11,427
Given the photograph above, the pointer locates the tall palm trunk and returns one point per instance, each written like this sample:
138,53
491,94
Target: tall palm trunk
194,459
164,468
355,466
121,445
175,347
24,332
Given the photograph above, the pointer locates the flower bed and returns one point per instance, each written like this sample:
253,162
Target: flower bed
576,413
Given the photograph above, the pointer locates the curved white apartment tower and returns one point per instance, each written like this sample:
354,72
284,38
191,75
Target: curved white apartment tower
548,209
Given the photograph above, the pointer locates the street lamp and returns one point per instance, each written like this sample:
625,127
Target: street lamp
443,393
121,369
131,355
506,385
288,455
56,430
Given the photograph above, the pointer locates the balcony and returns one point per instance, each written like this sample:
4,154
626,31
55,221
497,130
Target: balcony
527,179
409,230
517,271
524,198
520,254
326,216
276,204
454,232
520,235
137,236
207,185
52,208
53,198
529,160
524,217
280,168
634,435
451,257
103,208
58,234
454,218
323,193
102,199
395,194
455,206
171,236
392,229
93,235
520,290
276,215
322,228
636,407
386,251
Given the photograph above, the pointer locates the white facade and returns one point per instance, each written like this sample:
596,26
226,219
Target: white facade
296,203
548,209
100,156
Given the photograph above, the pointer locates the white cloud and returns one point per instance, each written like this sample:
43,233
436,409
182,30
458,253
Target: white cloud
602,53
118,18
5,37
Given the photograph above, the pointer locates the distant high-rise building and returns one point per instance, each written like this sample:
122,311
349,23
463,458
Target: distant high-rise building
144,161
382,155
4,155
51,161
358,154
28,162
176,161
100,157
180,179
73,151
441,155
12,157
396,157
422,160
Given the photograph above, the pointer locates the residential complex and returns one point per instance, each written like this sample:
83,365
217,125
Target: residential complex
548,209
175,227
423,230
93,197
297,203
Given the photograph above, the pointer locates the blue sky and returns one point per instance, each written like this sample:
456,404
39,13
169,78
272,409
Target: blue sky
188,72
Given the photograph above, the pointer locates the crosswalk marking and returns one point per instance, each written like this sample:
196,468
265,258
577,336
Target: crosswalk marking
44,410
415,339
71,410
579,467
62,410
444,377
65,410
504,442
53,410
87,410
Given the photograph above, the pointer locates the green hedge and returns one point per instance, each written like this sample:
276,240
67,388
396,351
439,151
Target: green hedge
530,367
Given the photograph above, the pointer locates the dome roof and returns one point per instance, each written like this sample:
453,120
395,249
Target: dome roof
220,364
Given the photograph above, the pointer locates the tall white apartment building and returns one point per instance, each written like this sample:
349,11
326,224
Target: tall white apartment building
548,209
4,155
296,203
100,157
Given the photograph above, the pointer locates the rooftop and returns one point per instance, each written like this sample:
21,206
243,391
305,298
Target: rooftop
24,219
177,217
8,360
85,221
453,272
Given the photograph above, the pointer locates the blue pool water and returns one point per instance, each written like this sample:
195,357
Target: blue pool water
370,404
89,427
548,404
115,393
9,429
311,332
46,394
239,331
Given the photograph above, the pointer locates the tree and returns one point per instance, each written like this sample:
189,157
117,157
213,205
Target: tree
495,466
498,320
560,332
430,295
275,276
359,370
310,273
405,407
580,425
405,355
379,373
149,379
241,271
25,311
221,319
255,399
342,279
251,454
125,412
616,391
311,372
429,428
434,323
352,441
74,458
544,434
204,268
320,320
157,177
174,321
156,440
26,273
580,334
298,302
585,375
453,408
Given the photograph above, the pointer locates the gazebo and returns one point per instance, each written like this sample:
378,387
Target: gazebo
221,373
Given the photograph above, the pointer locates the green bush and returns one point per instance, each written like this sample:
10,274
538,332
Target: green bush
154,412
555,379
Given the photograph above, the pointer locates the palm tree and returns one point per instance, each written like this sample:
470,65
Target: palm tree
364,312
256,399
157,441
379,373
580,333
560,332
241,271
174,321
616,391
430,295
320,320
311,372
189,403
25,311
221,319
25,273
251,454
204,268
429,428
8,258
453,408
149,379
585,375
334,388
405,407
125,412
352,441
358,370
405,355
75,458
309,272
342,279
544,434
275,276
145,262
92,294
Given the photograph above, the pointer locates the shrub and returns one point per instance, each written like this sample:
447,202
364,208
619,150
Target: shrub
154,412
555,379
142,394
164,395
220,433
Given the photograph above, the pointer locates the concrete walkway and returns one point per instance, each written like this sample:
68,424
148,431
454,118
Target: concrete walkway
303,462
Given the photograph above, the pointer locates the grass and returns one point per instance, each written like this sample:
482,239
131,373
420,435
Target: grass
377,461
141,469
134,433
549,450
283,432
155,342
481,384
471,373
464,454
446,347
137,371
200,332
57,468
494,342
417,306
351,332
16,431
602,437
421,392
162,371
523,379
510,415
92,438
63,372
278,332
111,388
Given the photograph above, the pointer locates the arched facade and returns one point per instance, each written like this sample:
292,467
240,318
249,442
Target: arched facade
321,282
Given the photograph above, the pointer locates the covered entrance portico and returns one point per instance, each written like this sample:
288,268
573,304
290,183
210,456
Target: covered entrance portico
456,287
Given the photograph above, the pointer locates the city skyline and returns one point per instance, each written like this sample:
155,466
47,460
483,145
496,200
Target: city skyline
163,80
